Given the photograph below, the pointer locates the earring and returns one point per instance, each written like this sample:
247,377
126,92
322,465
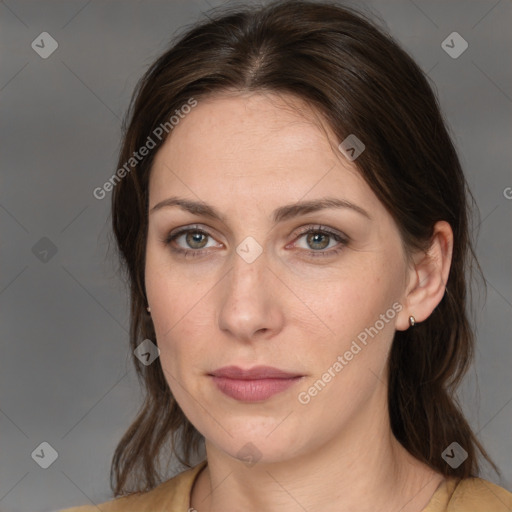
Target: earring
149,310
412,321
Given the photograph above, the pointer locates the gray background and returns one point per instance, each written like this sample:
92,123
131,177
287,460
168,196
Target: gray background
65,375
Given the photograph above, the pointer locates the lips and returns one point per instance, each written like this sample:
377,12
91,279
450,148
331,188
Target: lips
255,384
258,372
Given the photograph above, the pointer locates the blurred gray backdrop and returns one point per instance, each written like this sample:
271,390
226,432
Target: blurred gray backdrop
68,69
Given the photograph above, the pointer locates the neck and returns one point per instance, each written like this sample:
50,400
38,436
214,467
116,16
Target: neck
363,468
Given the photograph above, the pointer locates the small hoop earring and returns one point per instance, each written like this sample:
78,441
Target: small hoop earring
412,321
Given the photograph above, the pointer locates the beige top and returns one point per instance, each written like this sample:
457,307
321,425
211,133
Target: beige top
173,495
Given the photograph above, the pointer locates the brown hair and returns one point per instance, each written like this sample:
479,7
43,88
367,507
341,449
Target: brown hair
363,83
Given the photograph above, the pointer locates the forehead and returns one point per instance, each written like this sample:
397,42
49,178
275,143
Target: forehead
249,123
254,144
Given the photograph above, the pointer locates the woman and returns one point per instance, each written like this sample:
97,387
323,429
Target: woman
293,219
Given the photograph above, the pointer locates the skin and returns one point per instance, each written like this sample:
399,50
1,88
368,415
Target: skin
246,155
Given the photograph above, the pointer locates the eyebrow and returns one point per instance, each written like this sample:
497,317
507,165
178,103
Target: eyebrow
279,215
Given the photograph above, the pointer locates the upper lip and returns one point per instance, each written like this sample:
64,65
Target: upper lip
257,372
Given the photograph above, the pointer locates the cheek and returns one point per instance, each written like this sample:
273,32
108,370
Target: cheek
350,365
173,295
169,299
350,303
181,357
359,312
181,328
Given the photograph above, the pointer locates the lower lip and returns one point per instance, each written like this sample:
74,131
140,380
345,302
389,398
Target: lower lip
253,390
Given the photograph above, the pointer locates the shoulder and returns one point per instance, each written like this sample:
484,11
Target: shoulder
173,494
479,495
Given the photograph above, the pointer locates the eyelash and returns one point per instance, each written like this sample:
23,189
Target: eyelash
343,240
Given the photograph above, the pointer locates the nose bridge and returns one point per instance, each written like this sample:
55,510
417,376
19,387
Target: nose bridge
247,276
246,305
249,260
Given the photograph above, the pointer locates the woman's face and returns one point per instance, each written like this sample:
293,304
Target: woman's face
248,287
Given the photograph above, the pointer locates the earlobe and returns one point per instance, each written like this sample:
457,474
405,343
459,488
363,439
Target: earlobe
428,278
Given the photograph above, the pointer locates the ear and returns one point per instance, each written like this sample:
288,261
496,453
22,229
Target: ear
427,277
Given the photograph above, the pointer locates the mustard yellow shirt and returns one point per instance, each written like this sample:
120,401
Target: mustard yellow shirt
173,495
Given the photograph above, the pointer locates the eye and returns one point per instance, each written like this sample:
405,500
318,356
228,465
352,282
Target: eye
319,238
193,241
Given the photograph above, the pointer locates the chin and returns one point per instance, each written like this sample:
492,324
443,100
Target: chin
260,447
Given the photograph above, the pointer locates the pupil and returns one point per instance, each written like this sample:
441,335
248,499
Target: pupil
314,238
194,238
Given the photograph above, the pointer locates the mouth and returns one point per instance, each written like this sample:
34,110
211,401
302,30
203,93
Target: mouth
255,384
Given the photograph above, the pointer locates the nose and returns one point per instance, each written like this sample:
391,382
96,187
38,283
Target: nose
251,307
